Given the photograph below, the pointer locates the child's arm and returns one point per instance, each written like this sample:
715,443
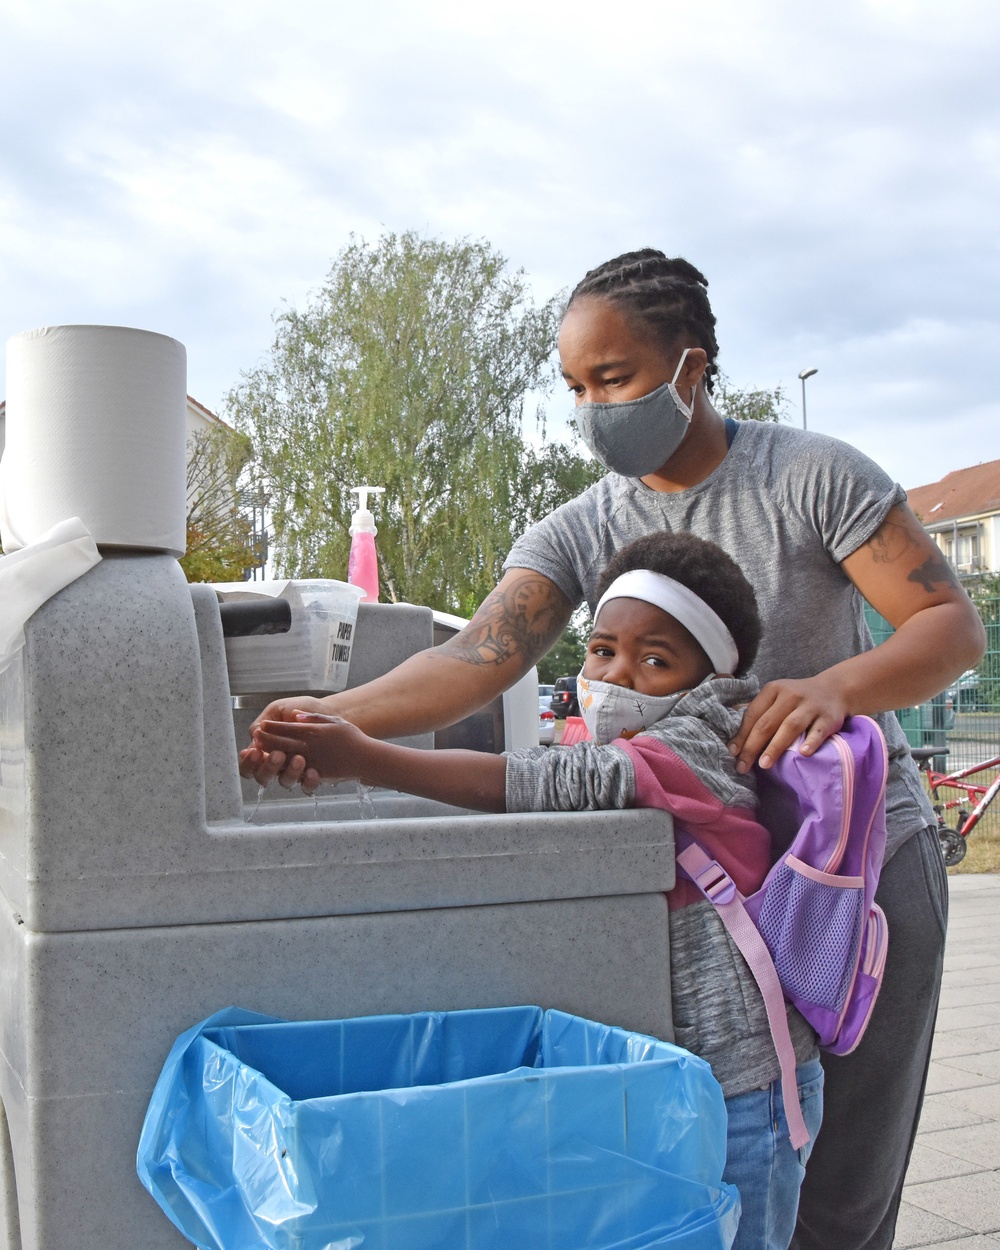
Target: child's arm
336,749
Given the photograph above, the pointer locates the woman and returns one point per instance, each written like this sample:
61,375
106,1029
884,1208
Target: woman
816,527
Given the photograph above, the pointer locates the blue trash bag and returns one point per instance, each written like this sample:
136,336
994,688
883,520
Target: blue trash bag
497,1129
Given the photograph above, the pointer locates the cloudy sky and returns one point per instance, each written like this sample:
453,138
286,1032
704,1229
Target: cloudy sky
832,167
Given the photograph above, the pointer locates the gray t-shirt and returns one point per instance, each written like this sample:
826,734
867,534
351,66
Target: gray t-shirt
788,505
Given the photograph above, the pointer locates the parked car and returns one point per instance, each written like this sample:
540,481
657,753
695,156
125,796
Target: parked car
564,701
964,694
928,724
546,724
546,717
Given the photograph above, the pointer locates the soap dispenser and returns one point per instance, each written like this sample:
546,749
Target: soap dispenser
362,568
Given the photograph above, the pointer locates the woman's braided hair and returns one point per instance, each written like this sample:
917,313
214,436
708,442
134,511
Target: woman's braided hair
667,295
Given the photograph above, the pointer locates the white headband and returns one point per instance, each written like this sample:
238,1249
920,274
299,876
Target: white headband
701,622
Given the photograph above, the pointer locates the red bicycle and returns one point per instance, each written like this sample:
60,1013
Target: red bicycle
953,837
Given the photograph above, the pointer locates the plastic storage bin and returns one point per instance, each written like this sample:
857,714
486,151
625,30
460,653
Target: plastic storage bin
500,1129
314,655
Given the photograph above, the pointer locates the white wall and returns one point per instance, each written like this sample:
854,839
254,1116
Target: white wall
198,421
991,544
987,548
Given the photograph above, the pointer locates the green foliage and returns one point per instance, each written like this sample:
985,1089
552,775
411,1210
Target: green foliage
219,535
747,405
547,479
566,657
408,369
985,594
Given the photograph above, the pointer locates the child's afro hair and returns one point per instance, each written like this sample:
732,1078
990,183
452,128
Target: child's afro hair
707,570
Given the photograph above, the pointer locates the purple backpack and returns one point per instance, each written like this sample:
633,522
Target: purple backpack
812,933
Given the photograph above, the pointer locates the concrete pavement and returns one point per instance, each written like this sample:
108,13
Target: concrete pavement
952,1195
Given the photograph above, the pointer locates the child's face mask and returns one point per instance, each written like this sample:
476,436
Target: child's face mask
611,712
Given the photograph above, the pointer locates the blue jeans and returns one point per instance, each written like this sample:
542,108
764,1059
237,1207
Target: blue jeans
760,1160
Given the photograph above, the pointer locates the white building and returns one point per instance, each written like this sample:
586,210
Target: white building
962,515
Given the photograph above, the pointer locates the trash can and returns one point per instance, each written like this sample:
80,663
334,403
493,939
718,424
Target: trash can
497,1129
927,725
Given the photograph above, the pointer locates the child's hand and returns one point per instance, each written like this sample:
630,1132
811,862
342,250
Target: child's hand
332,748
290,771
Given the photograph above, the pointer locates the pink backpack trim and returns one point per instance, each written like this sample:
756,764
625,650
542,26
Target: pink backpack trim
818,937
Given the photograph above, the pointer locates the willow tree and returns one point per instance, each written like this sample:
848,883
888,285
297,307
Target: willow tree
220,545
410,369
745,404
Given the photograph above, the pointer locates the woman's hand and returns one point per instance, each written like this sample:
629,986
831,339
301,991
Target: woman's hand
785,711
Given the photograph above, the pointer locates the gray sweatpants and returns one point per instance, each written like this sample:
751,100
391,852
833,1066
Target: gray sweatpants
872,1097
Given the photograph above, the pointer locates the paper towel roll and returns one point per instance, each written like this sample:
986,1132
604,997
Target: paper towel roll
95,429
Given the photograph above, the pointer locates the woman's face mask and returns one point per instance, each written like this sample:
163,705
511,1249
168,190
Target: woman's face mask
639,436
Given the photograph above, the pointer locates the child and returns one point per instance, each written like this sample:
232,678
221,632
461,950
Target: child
660,692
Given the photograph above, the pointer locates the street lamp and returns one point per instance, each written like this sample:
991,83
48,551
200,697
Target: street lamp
806,373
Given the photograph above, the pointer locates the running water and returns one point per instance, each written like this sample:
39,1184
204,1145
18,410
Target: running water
365,802
256,807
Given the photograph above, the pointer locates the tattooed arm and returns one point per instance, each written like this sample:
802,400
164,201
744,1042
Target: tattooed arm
515,626
903,575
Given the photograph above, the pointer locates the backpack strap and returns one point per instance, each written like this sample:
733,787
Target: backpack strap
720,890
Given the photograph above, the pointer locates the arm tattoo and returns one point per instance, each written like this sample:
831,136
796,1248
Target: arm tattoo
935,571
520,621
880,546
892,541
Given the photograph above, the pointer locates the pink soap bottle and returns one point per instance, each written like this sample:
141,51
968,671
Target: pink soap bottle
362,568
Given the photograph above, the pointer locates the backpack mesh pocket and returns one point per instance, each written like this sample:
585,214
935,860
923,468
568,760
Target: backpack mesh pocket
812,925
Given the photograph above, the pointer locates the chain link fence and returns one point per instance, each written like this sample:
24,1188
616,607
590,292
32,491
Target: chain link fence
965,718
964,721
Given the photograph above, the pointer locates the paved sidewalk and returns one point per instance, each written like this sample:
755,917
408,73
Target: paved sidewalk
952,1195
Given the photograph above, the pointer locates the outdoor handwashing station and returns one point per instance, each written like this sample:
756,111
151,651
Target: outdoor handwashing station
146,890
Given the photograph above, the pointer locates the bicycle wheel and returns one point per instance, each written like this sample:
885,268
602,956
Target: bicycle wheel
953,846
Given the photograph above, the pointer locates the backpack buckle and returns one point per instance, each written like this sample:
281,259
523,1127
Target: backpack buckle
716,884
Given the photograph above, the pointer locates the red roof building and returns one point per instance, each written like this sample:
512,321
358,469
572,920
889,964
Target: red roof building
962,515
